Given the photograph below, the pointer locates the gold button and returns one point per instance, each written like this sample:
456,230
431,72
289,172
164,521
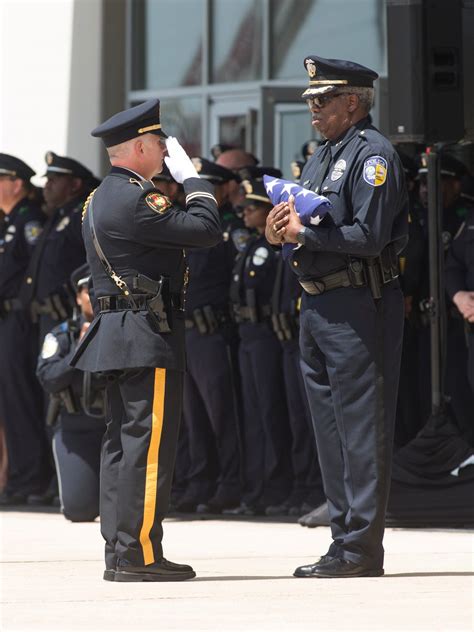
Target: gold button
29,280
252,273
295,263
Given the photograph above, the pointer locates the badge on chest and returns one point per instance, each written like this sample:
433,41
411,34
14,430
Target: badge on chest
338,170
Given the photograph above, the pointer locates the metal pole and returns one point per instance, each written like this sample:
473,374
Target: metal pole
435,253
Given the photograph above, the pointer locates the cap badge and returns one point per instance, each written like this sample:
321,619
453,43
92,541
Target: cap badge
247,186
158,203
197,163
311,68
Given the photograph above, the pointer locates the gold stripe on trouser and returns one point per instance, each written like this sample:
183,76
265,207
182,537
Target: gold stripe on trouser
151,477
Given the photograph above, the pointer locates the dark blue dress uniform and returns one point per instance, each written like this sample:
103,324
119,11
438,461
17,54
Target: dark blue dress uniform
77,435
460,277
20,393
350,336
266,434
138,338
60,251
211,397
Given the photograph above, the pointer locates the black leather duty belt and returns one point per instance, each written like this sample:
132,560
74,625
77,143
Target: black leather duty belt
374,272
117,302
328,282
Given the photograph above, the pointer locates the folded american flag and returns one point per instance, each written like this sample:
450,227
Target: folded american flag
310,206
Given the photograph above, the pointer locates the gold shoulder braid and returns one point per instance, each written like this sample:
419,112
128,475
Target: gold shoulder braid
87,202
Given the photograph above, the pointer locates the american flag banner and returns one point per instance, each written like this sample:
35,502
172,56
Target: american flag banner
310,206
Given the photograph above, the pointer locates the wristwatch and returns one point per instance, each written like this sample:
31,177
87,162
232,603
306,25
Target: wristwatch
301,236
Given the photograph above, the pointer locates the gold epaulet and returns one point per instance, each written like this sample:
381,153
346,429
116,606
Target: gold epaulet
87,202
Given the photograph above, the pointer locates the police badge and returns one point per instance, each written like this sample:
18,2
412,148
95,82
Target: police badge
311,68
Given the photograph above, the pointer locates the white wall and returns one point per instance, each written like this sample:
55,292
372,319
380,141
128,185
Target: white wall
50,74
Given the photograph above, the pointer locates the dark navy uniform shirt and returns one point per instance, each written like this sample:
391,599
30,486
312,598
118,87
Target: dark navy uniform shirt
140,231
365,183
64,249
255,270
19,233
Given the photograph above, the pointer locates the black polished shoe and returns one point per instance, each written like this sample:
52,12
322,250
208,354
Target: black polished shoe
8,499
109,575
307,571
337,567
163,571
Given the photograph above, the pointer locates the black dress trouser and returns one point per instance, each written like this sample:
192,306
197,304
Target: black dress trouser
21,407
138,455
350,357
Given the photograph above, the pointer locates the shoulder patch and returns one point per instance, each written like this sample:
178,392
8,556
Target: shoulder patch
375,171
158,202
240,237
33,230
50,346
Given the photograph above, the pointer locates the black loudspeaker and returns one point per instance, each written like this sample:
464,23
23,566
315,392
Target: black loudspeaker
425,78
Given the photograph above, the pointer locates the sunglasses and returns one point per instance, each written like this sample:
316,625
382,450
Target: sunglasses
323,100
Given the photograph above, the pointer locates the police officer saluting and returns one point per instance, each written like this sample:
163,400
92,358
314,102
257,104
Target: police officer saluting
352,310
20,393
134,240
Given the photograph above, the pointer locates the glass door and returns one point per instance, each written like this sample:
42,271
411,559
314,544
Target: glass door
286,127
234,121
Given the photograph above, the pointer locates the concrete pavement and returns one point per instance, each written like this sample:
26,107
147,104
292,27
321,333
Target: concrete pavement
51,579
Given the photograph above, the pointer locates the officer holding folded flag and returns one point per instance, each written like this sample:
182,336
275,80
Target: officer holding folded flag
352,309
134,239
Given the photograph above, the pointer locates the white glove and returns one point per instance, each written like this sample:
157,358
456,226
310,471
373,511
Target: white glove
178,161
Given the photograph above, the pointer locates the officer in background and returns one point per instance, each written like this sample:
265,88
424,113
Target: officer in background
267,472
455,211
21,398
211,397
352,310
307,492
173,190
60,250
76,410
134,239
234,160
